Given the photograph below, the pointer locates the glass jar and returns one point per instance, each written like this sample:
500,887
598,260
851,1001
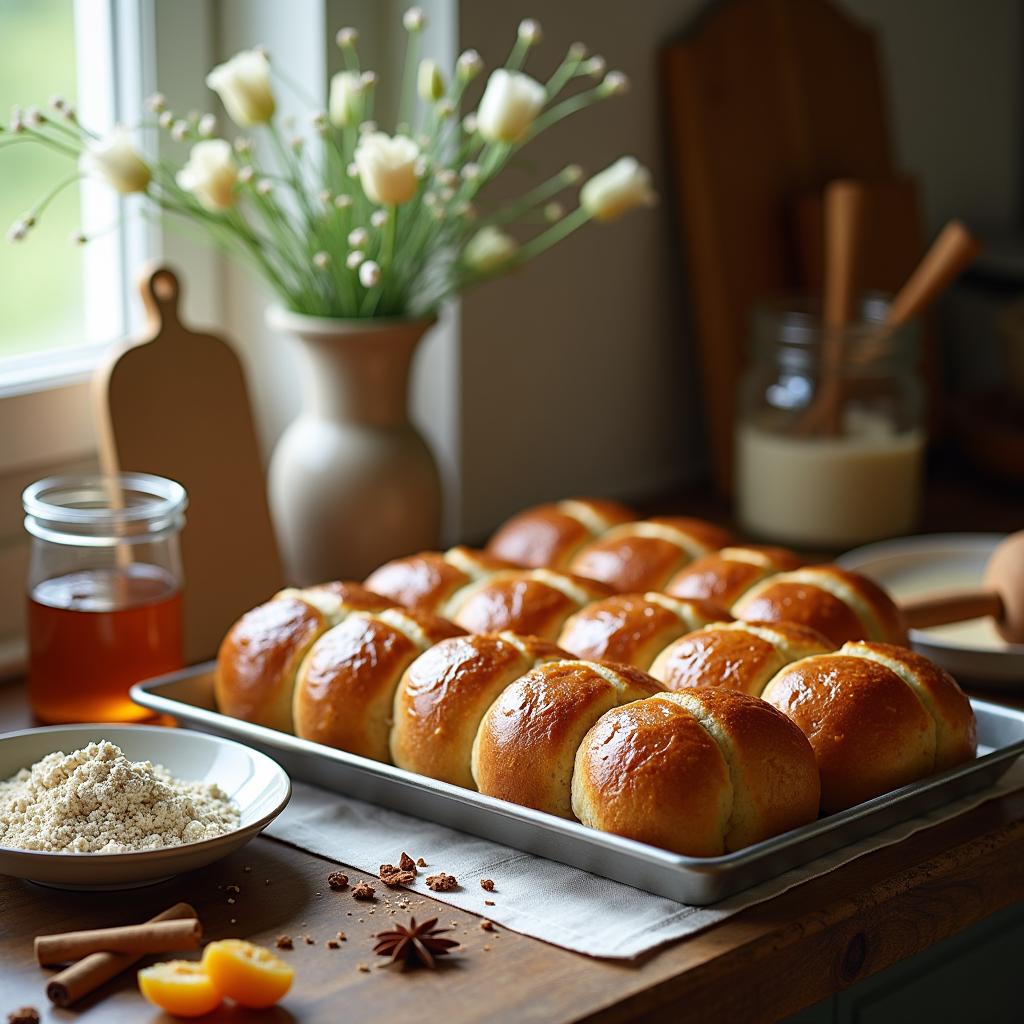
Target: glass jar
104,592
830,432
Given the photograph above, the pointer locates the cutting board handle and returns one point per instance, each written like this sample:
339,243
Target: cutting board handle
160,293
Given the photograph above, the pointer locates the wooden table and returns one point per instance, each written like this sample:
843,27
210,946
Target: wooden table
762,964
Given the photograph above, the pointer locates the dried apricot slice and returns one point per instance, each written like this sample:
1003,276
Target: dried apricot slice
247,973
181,987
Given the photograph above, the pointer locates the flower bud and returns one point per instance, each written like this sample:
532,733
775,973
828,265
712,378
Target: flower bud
553,212
414,19
321,259
210,174
379,218
429,81
530,31
346,37
469,65
595,66
342,202
509,106
345,104
369,274
615,84
166,119
115,158
617,189
157,102
489,249
353,259
207,125
243,84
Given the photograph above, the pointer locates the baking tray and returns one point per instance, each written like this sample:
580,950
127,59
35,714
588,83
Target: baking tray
188,696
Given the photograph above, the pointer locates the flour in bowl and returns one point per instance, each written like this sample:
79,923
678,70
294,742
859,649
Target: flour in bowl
97,801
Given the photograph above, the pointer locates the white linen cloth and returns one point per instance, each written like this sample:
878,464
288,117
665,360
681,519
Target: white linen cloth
553,902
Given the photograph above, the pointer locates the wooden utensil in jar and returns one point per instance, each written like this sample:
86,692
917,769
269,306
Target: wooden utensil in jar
1000,597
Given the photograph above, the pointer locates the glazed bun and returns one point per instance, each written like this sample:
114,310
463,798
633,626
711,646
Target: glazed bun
534,602
346,684
261,653
547,536
724,576
840,605
876,717
443,696
699,772
735,655
424,582
645,555
527,741
633,628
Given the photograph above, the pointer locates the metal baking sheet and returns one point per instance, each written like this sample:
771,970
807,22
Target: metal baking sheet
188,697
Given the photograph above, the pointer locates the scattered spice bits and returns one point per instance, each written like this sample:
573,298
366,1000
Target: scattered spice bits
309,940
487,884
231,889
337,881
247,868
365,968
406,863
414,944
394,877
342,937
420,862
363,891
23,1015
487,926
333,944
442,882
488,903
487,949
284,942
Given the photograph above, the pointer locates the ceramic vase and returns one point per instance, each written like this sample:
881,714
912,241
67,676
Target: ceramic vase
352,482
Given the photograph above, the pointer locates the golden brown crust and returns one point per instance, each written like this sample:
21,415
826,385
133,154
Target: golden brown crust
634,628
869,731
956,738
724,576
527,741
443,696
346,685
426,580
645,555
549,535
531,602
772,767
839,604
737,656
354,596
649,771
259,657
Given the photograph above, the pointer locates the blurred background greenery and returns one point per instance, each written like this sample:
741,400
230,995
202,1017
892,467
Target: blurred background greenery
41,276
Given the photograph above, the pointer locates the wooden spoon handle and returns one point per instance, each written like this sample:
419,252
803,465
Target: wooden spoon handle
956,606
950,253
845,202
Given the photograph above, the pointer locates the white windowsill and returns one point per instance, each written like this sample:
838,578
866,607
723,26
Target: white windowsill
22,375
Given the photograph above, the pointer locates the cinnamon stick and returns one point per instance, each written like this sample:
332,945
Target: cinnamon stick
89,973
148,937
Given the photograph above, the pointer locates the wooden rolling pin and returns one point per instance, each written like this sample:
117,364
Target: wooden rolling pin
1000,597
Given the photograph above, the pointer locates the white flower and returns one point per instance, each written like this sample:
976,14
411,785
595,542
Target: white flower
489,249
615,84
321,259
353,259
210,174
346,37
469,65
369,274
114,157
510,104
414,19
358,237
617,189
243,84
429,81
530,31
207,125
387,167
345,105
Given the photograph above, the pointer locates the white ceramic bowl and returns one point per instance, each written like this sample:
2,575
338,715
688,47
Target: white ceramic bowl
915,566
258,785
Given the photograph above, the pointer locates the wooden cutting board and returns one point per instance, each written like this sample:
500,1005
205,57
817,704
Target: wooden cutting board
175,403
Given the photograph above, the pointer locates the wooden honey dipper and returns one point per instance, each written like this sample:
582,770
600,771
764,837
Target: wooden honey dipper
1001,596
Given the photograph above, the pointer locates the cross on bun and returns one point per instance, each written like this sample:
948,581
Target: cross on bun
534,602
645,555
345,688
839,604
547,536
444,694
633,628
261,653
877,716
735,655
700,772
527,741
724,576
425,581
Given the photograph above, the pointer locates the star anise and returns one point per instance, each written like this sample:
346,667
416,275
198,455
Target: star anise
414,943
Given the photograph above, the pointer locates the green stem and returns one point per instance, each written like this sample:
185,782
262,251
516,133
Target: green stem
407,97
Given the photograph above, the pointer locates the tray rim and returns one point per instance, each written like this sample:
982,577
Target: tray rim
144,693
